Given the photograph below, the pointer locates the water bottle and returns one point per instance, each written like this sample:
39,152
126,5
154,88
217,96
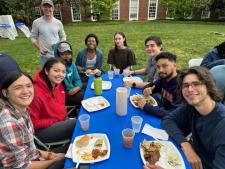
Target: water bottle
98,84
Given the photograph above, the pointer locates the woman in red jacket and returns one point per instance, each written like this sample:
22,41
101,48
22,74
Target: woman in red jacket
48,111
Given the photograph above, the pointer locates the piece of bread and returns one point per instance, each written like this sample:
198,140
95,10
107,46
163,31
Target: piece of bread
83,141
98,143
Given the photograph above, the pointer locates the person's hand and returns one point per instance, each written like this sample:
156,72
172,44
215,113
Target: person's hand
192,157
131,72
149,166
43,50
128,83
141,102
148,91
58,156
74,90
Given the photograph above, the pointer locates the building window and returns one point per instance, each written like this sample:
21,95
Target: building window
133,12
37,12
115,11
152,9
57,12
205,14
76,12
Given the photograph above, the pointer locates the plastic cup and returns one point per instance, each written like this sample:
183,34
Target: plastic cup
128,91
110,74
128,137
84,121
117,71
136,123
125,72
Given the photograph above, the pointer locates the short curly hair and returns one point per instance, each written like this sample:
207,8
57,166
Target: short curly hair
91,35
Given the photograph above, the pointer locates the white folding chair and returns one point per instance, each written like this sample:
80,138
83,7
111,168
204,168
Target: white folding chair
195,62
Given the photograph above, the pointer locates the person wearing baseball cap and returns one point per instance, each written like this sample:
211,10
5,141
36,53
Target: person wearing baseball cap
47,31
73,84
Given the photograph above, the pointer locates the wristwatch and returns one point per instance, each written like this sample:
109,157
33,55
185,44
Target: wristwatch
134,84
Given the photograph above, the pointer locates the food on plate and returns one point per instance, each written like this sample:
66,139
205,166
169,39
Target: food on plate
97,152
90,71
98,143
148,99
83,141
86,156
151,151
102,103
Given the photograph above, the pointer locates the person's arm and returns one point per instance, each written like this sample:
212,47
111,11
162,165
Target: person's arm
62,34
191,155
50,158
99,59
34,38
216,63
139,71
78,62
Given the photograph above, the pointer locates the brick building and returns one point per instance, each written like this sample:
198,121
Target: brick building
127,10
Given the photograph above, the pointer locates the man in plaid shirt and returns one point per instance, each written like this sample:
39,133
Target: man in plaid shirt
17,148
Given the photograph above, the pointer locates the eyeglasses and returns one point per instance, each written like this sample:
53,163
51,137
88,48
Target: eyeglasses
194,85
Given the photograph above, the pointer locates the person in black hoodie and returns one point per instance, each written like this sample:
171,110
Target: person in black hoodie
166,85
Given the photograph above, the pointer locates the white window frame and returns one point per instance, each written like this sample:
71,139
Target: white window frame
133,19
118,9
156,10
73,19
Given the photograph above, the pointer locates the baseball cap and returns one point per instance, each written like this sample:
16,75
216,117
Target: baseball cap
47,2
64,47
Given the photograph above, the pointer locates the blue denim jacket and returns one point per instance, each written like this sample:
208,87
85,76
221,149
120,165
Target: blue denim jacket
82,59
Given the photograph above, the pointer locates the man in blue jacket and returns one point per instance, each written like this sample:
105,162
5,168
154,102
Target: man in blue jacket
202,115
166,85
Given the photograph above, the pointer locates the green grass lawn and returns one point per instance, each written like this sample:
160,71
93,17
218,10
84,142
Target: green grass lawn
185,39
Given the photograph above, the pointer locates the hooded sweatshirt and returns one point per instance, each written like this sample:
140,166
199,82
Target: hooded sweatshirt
47,107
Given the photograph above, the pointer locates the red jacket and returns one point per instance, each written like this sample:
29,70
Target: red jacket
47,109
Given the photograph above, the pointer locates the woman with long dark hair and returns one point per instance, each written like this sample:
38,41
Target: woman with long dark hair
48,110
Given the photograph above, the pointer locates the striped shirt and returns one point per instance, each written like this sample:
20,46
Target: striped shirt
17,148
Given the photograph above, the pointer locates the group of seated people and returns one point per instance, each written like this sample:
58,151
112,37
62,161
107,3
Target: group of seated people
188,102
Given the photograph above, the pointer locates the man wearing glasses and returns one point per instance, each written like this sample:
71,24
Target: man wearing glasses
202,115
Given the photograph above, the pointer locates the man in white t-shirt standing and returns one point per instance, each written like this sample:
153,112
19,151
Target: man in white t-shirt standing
47,31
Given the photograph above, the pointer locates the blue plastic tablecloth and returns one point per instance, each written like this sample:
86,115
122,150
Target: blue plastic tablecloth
108,122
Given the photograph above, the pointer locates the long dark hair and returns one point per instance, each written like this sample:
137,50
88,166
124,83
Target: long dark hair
221,50
9,79
47,66
123,35
205,77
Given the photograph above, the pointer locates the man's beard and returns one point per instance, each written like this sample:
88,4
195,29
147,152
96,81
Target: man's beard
168,76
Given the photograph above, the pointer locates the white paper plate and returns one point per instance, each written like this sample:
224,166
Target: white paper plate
95,103
168,152
133,79
150,97
106,85
77,152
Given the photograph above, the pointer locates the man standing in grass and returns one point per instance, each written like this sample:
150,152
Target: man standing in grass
203,115
47,31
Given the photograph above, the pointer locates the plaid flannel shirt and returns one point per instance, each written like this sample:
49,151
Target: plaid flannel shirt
17,148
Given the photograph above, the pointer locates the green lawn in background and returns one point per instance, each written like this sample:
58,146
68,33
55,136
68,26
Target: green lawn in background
185,39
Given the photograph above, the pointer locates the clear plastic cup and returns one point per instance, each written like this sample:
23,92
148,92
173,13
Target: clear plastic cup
136,123
110,74
126,72
128,137
117,71
84,120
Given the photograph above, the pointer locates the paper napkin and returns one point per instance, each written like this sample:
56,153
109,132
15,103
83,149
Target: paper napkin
154,132
69,152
